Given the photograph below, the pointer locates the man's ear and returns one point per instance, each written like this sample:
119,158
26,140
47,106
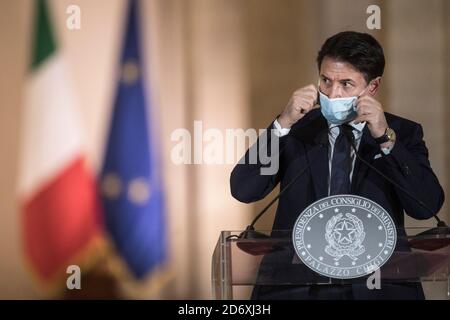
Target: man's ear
374,85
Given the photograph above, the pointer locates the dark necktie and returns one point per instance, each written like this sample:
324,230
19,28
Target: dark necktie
341,163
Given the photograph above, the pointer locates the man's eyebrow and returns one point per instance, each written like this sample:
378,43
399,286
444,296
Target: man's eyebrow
342,80
346,80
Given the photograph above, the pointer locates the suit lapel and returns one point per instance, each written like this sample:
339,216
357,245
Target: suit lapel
317,154
368,148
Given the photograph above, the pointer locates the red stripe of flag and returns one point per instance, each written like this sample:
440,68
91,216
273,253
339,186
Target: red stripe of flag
61,219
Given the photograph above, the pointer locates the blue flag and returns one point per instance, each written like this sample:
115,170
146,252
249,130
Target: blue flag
131,185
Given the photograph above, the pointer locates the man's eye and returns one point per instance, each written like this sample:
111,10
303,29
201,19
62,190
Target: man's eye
347,84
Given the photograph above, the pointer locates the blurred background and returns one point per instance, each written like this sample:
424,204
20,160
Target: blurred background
230,64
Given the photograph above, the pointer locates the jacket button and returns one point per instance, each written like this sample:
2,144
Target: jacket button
406,170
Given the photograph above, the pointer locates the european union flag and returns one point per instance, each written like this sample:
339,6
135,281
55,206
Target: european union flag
130,179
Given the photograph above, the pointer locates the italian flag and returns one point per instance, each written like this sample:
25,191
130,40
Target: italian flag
58,197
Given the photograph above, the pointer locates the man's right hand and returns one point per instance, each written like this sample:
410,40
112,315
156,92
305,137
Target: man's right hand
302,101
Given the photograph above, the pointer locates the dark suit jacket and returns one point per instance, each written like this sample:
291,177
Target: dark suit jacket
307,143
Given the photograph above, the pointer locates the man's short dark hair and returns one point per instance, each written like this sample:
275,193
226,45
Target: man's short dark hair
361,50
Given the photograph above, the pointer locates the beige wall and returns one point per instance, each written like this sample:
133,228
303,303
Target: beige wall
416,75
13,26
231,64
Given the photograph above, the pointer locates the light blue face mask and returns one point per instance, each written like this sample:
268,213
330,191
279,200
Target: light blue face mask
338,110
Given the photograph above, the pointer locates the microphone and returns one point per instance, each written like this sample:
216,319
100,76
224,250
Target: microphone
250,233
440,230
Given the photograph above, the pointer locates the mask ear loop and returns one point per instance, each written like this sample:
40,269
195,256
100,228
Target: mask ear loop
362,92
318,91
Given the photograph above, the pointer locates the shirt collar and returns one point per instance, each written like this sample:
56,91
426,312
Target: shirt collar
358,127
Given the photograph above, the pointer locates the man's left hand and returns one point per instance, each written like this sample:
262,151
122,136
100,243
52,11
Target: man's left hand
370,110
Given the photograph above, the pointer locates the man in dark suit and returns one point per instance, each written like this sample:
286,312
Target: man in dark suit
310,131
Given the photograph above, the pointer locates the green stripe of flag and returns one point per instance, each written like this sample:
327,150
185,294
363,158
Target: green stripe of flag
44,41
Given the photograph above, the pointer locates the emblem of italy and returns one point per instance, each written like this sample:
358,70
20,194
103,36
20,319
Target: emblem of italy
344,236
